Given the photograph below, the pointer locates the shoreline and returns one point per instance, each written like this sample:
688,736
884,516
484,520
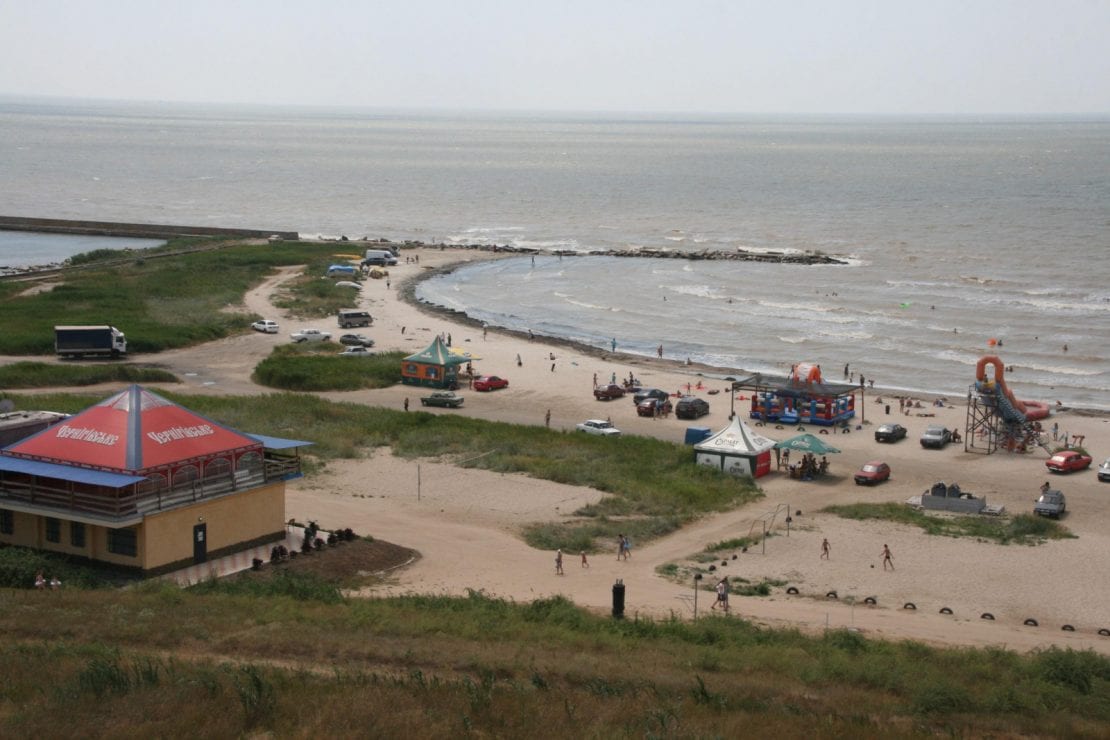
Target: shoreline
406,291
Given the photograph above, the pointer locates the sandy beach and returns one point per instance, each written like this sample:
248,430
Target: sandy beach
466,523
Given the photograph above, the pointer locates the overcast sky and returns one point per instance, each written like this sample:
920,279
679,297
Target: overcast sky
744,56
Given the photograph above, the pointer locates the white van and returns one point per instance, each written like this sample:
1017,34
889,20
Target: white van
380,257
349,317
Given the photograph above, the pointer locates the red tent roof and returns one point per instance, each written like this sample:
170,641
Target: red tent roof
134,430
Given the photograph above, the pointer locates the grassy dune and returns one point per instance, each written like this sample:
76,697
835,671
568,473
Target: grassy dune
156,661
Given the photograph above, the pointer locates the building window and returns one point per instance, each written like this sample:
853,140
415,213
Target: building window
77,534
53,530
122,542
7,522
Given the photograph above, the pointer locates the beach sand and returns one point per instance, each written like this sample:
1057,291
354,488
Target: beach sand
466,523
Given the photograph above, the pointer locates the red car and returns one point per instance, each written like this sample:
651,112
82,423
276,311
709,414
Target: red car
875,471
608,392
1067,461
490,383
648,406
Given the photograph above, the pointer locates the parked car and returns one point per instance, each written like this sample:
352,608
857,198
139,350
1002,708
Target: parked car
890,433
266,326
446,399
875,471
356,340
310,335
644,393
691,407
1104,470
1067,461
490,383
1050,503
349,284
649,406
608,392
599,427
936,436
357,352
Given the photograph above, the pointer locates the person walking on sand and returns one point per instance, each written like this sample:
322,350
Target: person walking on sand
613,344
659,351
585,562
547,419
825,549
406,404
888,559
559,562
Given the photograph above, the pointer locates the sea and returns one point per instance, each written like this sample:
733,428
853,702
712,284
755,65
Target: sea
959,236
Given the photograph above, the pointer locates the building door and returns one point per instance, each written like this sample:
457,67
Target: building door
200,543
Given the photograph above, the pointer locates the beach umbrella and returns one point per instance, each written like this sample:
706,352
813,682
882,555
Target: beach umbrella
807,443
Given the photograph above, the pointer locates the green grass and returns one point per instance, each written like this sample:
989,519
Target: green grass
1023,529
160,662
164,303
45,375
317,366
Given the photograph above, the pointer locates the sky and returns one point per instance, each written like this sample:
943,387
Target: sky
712,56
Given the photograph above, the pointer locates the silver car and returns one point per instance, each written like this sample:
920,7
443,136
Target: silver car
1104,470
936,436
598,426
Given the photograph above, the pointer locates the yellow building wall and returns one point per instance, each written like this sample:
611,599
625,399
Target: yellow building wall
168,537
25,530
98,540
63,545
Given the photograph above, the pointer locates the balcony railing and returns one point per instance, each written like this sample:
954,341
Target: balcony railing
55,494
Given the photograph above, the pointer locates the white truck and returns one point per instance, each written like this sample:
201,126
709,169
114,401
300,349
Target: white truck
89,341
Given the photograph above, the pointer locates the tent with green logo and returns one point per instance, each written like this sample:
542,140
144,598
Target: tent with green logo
436,366
807,443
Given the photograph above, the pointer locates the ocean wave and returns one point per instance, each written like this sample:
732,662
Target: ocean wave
591,306
792,340
1059,369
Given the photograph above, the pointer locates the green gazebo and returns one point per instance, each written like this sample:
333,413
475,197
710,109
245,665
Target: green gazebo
433,367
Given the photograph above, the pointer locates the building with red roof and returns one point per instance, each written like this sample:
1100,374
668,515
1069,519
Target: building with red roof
142,482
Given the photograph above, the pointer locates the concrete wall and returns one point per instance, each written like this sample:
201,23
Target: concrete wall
960,505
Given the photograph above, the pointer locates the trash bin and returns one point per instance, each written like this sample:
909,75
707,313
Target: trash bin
618,599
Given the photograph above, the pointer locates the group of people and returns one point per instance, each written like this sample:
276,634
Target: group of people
809,467
886,555
559,561
42,583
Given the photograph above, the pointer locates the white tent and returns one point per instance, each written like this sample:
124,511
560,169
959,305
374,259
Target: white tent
736,449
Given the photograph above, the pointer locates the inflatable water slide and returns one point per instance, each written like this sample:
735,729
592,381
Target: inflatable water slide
1020,418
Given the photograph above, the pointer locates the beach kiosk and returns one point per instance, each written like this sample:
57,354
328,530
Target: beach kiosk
436,366
736,449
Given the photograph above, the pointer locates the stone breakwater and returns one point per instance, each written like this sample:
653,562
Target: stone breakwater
736,255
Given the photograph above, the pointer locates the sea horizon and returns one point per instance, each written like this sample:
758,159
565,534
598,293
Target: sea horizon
956,230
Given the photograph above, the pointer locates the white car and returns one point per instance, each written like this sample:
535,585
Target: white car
1104,471
356,352
266,326
600,427
310,335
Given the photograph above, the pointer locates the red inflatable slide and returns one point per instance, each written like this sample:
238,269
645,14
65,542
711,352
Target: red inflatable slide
1031,410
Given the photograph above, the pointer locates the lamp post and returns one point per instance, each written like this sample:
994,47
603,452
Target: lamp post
697,577
862,403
